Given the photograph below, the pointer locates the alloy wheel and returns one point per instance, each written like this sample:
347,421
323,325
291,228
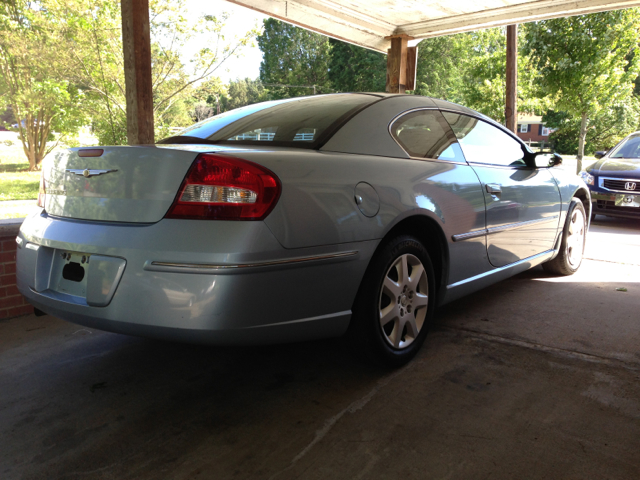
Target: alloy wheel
403,301
575,238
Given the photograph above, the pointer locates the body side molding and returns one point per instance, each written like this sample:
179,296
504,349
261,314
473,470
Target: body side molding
512,226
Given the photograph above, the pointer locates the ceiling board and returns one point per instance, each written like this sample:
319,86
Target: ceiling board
368,22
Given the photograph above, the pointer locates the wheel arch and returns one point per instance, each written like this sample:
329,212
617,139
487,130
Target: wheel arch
430,234
364,328
585,197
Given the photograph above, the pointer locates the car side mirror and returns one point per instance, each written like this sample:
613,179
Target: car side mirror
546,160
555,160
600,154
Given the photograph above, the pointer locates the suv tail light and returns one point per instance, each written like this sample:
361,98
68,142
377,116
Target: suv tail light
225,188
42,193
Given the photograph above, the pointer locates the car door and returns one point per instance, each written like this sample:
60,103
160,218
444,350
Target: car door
522,202
445,184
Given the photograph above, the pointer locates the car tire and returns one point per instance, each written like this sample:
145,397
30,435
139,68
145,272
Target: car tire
395,303
569,258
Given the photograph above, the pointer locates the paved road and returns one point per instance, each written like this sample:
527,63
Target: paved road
535,377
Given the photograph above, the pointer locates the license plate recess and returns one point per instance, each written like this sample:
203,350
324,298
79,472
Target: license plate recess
69,273
77,277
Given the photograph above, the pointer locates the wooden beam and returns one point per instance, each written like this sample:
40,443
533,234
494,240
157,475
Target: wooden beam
397,65
342,23
511,107
136,43
522,12
412,66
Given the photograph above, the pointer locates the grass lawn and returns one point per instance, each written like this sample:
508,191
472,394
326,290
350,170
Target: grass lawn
21,209
16,181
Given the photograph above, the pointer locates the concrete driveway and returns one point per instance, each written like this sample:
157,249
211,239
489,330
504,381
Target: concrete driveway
535,377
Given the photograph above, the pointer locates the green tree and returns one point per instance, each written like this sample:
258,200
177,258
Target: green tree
356,69
442,62
33,76
99,62
484,76
98,65
587,62
7,119
295,61
243,92
469,68
610,125
201,111
210,93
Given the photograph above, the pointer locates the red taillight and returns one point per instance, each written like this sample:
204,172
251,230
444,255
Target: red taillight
225,188
42,193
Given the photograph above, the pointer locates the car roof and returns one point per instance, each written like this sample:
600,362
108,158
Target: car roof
362,134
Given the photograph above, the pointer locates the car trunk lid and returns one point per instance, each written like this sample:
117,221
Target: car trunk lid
120,184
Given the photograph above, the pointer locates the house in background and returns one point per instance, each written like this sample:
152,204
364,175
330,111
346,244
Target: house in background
532,130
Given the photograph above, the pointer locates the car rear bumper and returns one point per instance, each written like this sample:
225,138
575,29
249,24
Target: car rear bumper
189,280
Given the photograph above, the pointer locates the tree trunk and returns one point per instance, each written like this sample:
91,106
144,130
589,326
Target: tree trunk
32,159
34,134
28,147
583,136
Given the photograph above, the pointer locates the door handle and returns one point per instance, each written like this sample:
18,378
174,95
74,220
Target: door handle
493,188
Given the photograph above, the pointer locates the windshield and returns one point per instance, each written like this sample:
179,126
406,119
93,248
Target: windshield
629,148
302,122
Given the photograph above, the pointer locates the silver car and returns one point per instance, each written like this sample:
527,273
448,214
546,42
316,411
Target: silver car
298,219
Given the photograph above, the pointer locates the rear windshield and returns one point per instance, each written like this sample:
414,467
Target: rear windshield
630,148
300,122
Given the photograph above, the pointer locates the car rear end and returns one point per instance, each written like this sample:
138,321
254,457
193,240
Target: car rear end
170,242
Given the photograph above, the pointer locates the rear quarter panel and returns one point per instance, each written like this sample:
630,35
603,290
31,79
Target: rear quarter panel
317,204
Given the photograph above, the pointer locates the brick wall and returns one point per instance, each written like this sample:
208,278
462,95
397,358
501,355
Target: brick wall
533,135
12,304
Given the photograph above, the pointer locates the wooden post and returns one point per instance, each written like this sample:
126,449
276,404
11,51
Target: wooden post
412,66
511,107
397,64
136,44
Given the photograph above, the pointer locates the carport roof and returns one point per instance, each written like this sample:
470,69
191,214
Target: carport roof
369,23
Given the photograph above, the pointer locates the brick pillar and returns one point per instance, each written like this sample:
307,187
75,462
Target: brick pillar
12,303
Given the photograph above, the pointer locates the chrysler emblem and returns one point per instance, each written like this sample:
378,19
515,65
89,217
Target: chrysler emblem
88,173
630,186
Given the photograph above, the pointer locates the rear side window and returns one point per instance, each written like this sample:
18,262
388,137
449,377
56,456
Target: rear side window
300,122
426,134
484,143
